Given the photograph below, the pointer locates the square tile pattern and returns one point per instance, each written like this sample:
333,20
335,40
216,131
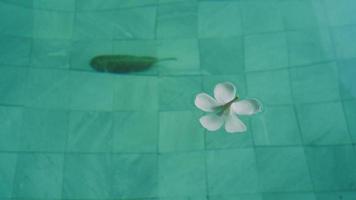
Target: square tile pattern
68,132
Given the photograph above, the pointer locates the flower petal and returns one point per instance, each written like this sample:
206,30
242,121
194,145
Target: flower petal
205,102
233,124
211,122
224,92
246,107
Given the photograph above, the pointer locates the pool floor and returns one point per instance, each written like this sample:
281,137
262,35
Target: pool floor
68,132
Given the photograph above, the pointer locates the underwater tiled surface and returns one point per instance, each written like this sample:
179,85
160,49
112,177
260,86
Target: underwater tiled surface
316,83
79,169
244,168
68,132
267,129
216,52
275,169
266,51
83,128
309,46
272,86
177,171
129,136
34,167
261,16
214,17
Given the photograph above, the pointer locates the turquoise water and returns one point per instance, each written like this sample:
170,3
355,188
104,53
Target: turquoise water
68,132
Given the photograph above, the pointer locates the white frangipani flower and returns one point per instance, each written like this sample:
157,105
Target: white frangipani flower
225,108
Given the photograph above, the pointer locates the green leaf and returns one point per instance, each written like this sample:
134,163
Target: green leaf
123,63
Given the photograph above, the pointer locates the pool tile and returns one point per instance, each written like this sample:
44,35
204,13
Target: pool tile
177,20
52,25
222,56
340,12
44,130
186,53
93,5
266,51
333,167
180,131
303,14
276,172
20,50
133,3
135,47
350,113
12,85
135,131
268,129
181,198
271,88
84,50
323,123
26,4
90,131
38,176
200,197
10,126
261,16
87,176
20,24
64,5
91,91
7,174
237,197
232,172
135,23
215,19
306,47
347,73
50,53
174,1
342,37
316,83
135,176
178,93
136,93
347,195
182,174
289,196
47,88
94,25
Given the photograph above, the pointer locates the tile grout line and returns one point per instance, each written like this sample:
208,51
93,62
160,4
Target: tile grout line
158,123
206,152
81,10
253,144
342,101
205,145
332,38
64,154
289,70
172,152
205,132
22,106
67,110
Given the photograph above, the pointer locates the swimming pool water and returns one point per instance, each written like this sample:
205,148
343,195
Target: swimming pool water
68,132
